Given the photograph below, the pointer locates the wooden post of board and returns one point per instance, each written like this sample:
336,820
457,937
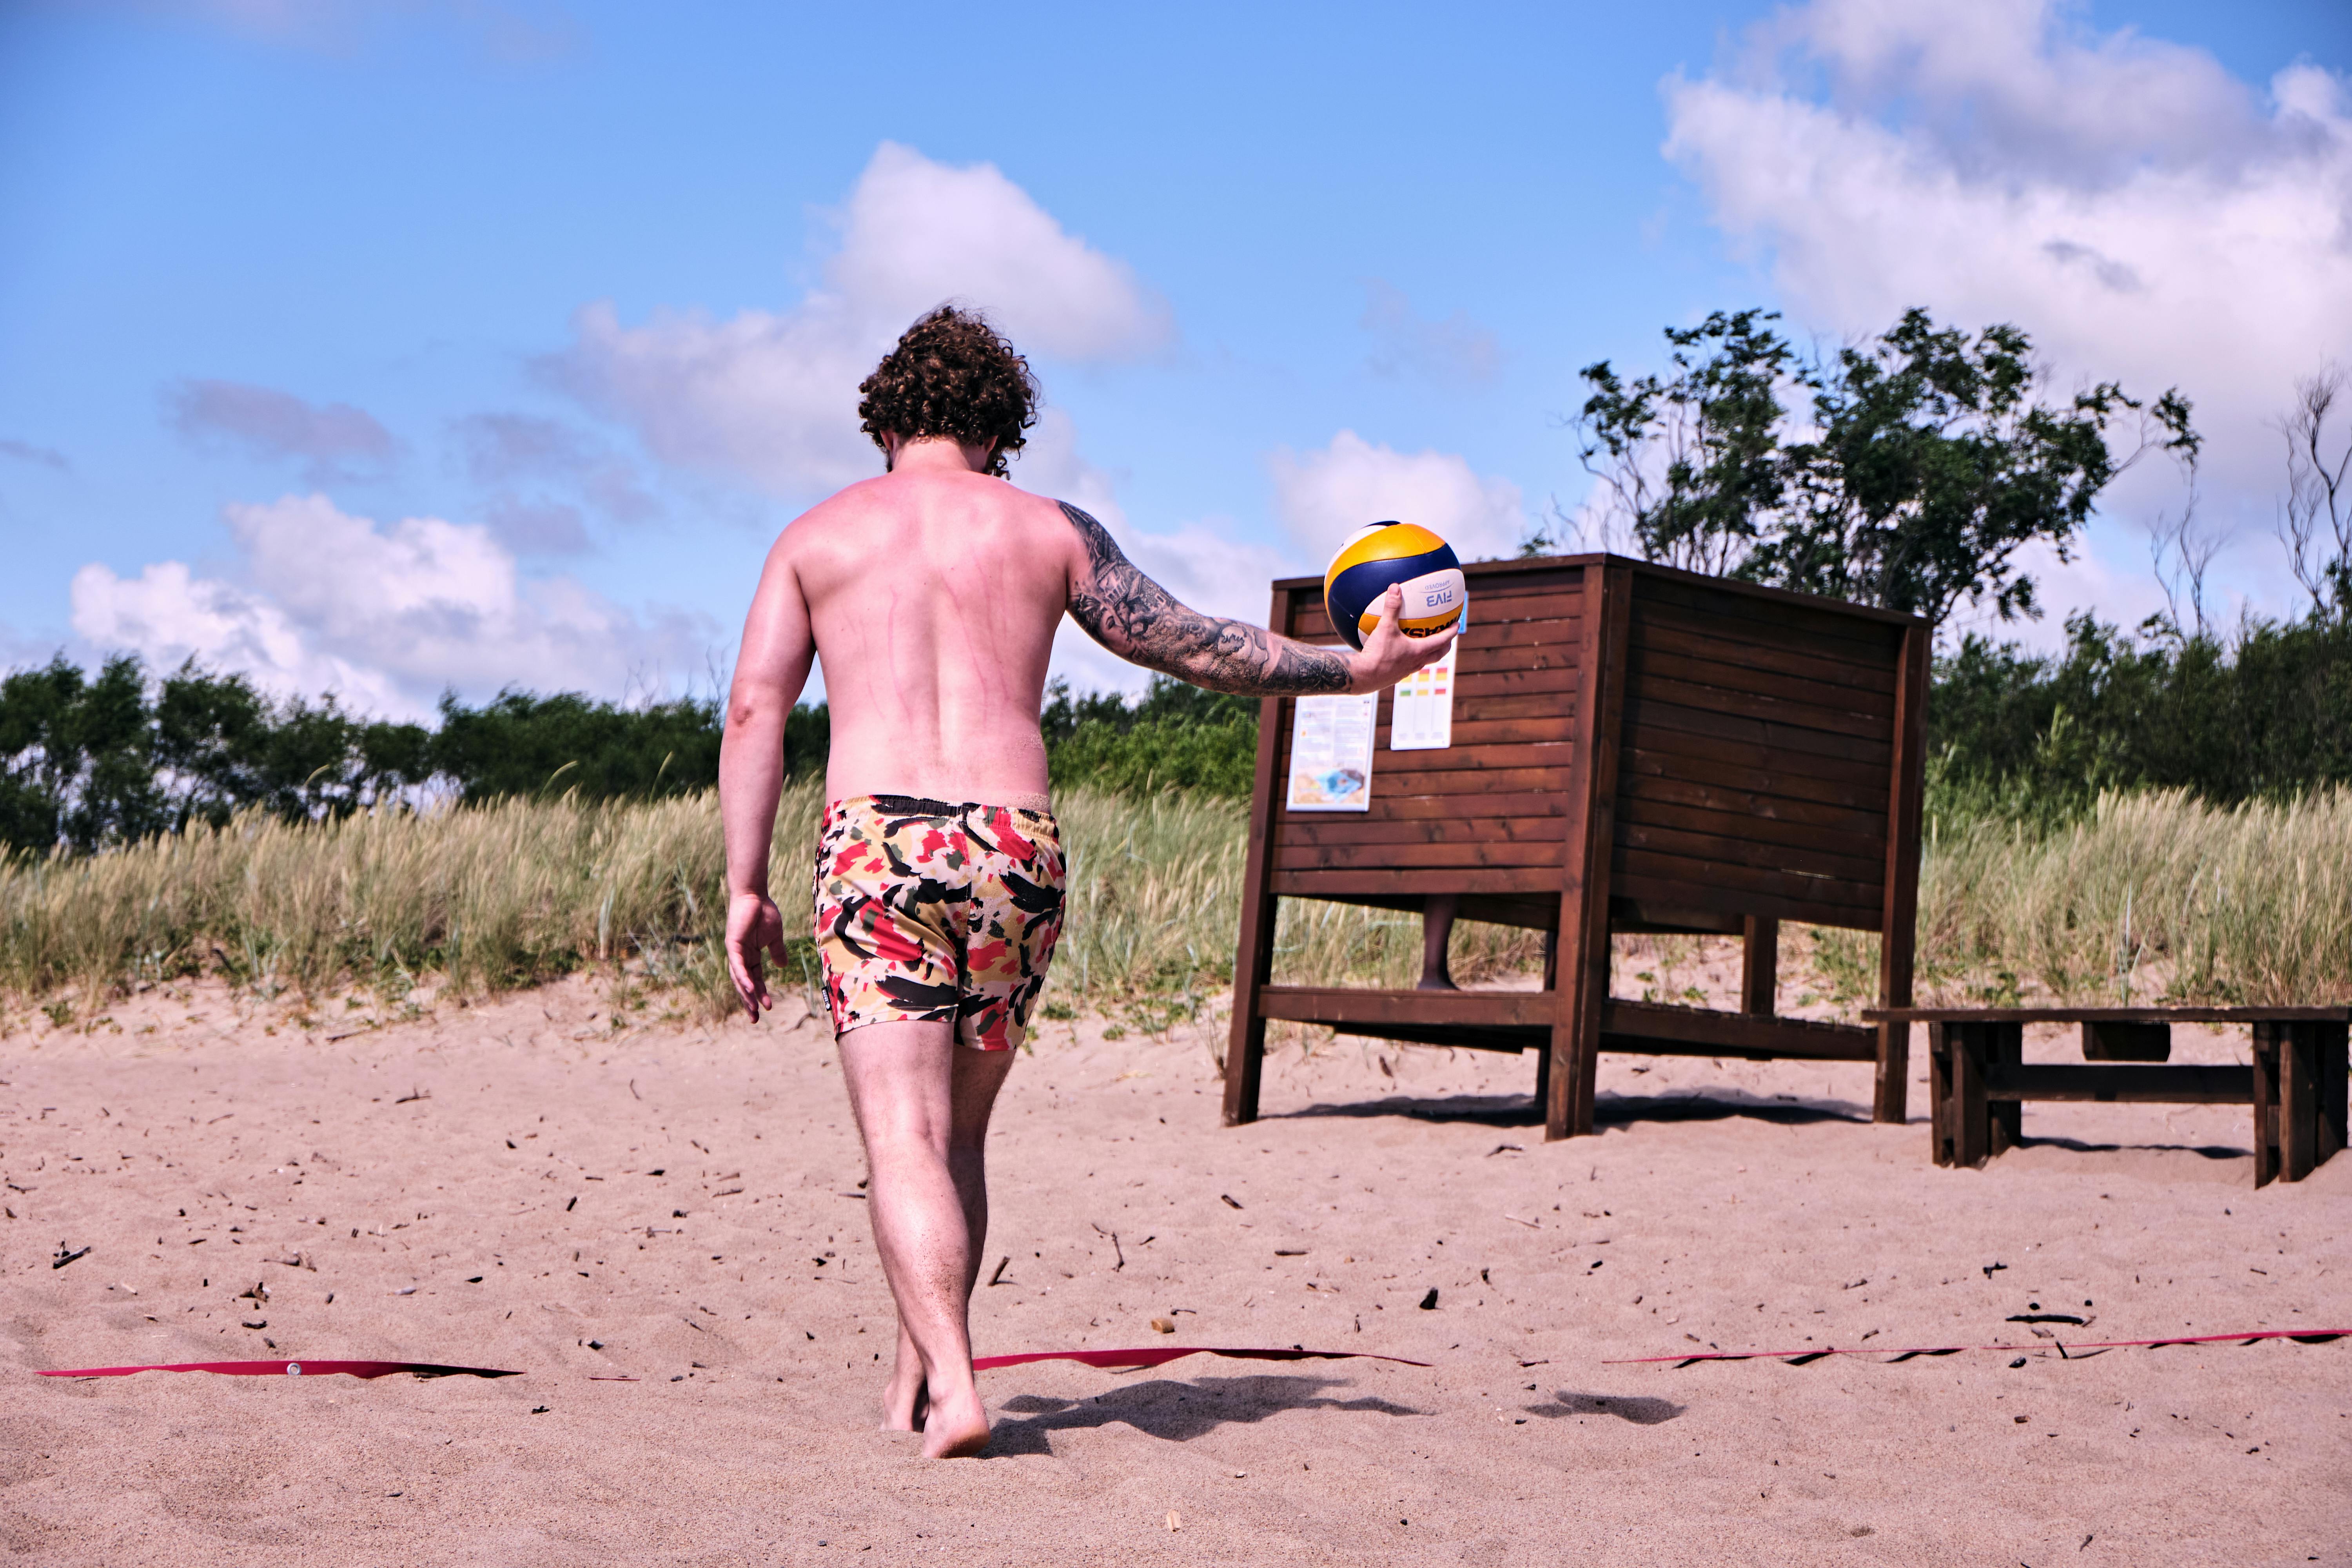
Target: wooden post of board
1246,1046
1898,927
1759,965
1581,988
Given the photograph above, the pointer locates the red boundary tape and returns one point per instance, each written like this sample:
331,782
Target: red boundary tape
1157,1354
1813,1353
294,1369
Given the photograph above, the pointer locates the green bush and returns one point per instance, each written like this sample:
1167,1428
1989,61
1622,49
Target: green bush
2265,715
1175,737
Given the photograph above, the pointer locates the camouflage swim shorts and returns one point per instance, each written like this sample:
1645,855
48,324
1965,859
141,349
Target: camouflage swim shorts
932,912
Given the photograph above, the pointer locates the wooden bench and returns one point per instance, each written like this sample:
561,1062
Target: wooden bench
1978,1077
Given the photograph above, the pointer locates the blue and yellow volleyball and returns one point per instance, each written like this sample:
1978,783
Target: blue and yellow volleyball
1400,552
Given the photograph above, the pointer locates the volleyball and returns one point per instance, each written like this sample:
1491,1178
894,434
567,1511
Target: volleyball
1400,552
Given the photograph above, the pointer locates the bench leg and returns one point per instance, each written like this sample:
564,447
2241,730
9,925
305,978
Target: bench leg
1940,1125
1891,1094
2266,1121
2328,1045
1971,1123
2298,1101
2005,1119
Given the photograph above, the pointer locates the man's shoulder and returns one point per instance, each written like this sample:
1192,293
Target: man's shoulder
872,513
887,497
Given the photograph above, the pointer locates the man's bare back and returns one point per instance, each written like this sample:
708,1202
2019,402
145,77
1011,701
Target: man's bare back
933,593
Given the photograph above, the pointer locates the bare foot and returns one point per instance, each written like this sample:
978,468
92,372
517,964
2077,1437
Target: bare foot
957,1429
903,1400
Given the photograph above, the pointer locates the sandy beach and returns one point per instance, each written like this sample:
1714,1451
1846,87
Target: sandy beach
532,1183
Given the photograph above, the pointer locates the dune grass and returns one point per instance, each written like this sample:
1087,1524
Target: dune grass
2153,895
483,899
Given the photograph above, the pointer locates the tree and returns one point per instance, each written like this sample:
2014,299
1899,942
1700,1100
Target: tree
1692,460
1929,462
222,746
518,744
2316,519
77,756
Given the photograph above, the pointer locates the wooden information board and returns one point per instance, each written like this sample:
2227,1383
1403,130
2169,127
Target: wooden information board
1633,749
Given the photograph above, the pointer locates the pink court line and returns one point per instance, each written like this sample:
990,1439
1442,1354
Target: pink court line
1156,1355
293,1369
2305,1336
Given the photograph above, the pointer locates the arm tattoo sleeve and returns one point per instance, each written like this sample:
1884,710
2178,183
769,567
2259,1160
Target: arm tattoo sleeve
1137,619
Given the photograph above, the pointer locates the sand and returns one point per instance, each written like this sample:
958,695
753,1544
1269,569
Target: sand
532,1184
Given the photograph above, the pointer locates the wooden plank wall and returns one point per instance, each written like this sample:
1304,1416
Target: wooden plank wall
1485,818
1758,758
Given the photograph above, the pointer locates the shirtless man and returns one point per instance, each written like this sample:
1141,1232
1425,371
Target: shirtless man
932,594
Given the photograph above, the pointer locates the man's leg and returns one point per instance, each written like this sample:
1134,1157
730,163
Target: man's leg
1436,931
922,1104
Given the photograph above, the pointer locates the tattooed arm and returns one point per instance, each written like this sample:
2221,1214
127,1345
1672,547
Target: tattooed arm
1141,622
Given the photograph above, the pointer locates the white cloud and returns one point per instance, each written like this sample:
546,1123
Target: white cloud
771,395
1325,495
2144,215
916,232
386,617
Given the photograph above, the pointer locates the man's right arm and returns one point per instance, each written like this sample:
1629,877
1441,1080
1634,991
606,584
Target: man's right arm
773,664
1139,620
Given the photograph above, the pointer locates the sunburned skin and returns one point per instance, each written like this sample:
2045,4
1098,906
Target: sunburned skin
933,594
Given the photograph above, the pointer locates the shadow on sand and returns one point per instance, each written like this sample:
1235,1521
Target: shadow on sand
1608,1110
1166,1408
2203,1151
1639,1409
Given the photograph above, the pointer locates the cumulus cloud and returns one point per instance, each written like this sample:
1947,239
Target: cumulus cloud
2145,214
1456,351
1323,494
771,396
385,617
335,441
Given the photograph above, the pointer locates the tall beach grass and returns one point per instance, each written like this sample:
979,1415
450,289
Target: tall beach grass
2152,896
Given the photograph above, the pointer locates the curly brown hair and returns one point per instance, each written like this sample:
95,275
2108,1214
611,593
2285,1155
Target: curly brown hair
952,374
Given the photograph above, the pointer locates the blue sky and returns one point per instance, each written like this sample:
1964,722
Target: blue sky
385,347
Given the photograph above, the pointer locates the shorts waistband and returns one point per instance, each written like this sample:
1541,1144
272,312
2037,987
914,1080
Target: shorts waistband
1037,806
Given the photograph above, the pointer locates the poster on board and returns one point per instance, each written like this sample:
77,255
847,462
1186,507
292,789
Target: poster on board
1422,719
1331,753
